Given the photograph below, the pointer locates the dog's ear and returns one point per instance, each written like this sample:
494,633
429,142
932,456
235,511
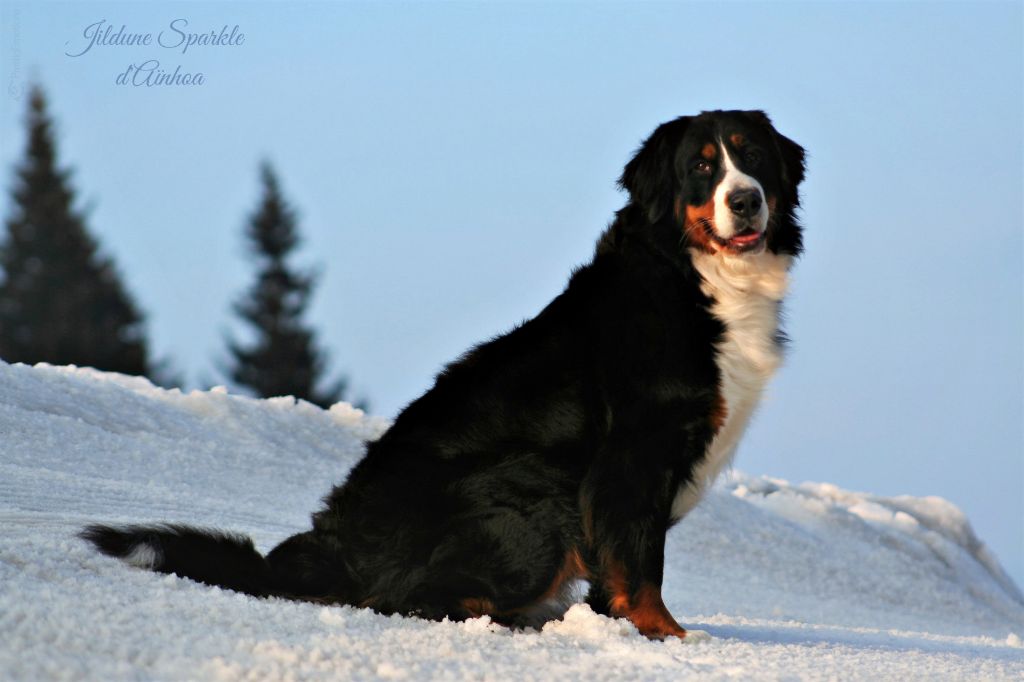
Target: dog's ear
792,164
791,154
650,176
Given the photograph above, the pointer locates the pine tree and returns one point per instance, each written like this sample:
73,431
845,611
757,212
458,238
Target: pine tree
283,358
61,301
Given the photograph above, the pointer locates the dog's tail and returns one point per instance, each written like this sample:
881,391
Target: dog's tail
300,568
213,557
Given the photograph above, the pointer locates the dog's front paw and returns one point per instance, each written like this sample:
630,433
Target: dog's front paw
661,629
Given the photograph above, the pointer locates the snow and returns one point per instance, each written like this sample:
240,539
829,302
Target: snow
790,581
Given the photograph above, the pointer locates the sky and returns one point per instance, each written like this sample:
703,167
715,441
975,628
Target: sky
451,163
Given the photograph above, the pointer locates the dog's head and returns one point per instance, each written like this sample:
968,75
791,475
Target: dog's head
727,178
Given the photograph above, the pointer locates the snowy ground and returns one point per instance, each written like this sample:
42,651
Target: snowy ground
792,581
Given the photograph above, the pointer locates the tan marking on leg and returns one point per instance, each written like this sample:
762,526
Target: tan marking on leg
572,568
644,607
478,606
650,615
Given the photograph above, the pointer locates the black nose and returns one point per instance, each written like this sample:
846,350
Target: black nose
745,202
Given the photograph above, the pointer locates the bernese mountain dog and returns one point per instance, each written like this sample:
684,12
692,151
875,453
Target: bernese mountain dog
564,450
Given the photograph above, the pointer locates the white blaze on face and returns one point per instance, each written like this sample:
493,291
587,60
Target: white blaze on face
734,179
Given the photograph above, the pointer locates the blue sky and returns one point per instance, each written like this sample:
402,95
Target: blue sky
452,162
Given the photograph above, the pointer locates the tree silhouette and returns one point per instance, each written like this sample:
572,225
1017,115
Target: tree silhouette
61,301
283,358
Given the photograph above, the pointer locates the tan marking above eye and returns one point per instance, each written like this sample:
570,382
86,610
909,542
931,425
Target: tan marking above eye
737,139
708,151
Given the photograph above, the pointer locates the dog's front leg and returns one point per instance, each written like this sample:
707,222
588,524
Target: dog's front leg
625,528
632,589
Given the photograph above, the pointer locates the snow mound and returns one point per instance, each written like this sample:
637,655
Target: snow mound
805,581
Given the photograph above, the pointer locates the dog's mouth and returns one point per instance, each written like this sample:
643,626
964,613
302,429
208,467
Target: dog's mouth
748,239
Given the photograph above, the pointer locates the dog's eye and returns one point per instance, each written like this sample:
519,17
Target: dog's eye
752,157
702,167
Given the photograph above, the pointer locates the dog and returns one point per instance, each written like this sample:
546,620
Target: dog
565,449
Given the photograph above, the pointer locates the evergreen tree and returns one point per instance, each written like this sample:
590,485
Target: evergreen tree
61,301
283,359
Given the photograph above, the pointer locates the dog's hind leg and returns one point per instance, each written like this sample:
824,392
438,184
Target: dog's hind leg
474,574
305,567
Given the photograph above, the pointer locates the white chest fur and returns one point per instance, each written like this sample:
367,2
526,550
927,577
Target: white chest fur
747,291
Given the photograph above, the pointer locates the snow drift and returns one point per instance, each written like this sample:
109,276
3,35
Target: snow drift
790,580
